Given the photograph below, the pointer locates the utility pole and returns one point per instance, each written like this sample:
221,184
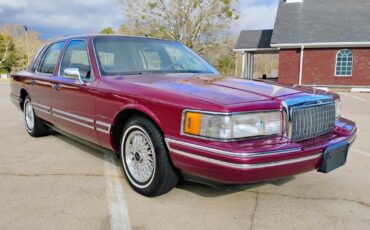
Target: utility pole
28,54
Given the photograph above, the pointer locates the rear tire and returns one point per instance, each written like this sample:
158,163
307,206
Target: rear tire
145,158
34,125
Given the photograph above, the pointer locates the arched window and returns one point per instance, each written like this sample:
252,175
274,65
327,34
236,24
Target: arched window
344,63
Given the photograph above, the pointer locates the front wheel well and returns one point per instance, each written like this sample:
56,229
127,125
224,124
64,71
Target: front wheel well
120,122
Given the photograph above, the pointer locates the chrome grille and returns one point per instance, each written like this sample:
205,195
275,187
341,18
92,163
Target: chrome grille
312,121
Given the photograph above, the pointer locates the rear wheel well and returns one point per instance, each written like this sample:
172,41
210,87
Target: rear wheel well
120,122
23,94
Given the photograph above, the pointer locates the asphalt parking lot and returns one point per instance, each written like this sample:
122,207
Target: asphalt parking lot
57,183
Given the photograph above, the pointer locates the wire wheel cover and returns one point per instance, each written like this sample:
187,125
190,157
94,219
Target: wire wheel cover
140,156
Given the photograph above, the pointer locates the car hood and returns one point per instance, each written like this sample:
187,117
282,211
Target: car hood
218,89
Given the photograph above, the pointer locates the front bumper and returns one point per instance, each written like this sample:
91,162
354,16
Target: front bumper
246,163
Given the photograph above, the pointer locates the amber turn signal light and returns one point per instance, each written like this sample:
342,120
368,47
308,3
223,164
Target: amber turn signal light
192,123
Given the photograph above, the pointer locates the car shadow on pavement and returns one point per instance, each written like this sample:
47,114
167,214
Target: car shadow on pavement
99,153
222,190
200,189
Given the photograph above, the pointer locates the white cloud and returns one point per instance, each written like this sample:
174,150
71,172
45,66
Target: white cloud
66,17
13,4
62,17
257,14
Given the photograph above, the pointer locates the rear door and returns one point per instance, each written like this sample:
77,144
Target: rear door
73,102
42,76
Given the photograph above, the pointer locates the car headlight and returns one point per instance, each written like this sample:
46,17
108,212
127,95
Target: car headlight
232,126
338,108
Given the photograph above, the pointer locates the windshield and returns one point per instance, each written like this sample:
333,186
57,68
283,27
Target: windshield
134,55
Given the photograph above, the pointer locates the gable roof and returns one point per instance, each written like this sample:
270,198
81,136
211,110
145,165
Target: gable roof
322,21
254,39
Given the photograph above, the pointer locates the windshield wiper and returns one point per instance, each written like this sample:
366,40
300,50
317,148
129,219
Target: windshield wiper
164,71
137,73
191,71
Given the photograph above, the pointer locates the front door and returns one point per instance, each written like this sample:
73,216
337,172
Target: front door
73,102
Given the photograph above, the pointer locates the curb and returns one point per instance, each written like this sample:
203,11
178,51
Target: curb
360,90
345,89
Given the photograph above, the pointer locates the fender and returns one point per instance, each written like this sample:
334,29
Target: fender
140,108
136,107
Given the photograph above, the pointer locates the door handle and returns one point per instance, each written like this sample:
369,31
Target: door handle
57,86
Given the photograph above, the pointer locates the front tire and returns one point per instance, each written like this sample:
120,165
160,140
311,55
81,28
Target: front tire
34,125
145,158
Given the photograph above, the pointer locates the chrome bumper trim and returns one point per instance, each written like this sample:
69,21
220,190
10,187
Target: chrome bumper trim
228,153
102,130
246,166
73,121
105,127
73,118
103,124
41,108
73,115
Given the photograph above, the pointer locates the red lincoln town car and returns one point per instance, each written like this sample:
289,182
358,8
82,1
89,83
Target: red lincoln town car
169,114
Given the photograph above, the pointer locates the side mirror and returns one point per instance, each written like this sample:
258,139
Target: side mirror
73,73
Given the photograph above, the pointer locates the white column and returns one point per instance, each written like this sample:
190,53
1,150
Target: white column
252,62
243,65
248,66
301,66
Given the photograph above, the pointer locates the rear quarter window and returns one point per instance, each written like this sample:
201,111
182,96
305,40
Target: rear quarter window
51,58
38,57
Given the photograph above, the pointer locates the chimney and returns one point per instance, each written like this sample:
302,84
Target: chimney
293,1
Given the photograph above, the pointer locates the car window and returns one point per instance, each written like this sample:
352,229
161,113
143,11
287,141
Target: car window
77,56
51,58
182,59
132,55
107,59
152,59
115,57
38,57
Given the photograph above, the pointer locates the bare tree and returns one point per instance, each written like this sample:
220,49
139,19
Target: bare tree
266,64
6,45
16,46
20,41
189,21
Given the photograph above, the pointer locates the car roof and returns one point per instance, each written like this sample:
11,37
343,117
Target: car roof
103,35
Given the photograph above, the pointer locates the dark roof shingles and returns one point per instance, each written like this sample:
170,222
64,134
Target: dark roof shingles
322,21
252,39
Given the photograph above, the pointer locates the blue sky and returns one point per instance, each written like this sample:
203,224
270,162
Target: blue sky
68,17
